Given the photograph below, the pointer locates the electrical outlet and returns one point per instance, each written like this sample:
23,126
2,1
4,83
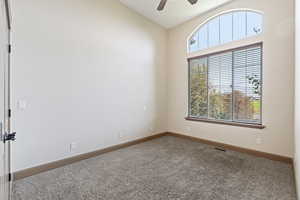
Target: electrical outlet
145,108
73,146
151,129
188,128
258,140
121,134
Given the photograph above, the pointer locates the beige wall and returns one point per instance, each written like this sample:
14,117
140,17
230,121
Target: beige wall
93,70
297,100
278,81
88,70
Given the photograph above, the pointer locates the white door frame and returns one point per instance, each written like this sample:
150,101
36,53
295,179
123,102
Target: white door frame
5,112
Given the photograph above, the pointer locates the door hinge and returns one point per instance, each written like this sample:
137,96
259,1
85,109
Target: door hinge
9,48
10,137
9,113
9,177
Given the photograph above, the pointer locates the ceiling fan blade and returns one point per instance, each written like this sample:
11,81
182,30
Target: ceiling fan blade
161,5
193,1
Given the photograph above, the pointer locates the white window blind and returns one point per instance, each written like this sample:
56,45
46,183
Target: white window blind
220,86
247,84
227,86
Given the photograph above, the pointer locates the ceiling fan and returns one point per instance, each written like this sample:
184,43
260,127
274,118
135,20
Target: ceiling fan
162,4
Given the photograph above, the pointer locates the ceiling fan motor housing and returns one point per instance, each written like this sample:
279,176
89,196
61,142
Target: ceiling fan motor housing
162,4
193,1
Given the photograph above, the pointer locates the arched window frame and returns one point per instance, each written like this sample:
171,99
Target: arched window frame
228,45
246,44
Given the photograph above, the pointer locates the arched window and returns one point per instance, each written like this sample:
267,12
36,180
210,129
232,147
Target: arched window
225,83
225,28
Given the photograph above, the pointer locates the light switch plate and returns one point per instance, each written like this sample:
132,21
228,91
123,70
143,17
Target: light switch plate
73,146
258,140
22,104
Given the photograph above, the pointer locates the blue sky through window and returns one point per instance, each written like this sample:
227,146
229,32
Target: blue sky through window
225,28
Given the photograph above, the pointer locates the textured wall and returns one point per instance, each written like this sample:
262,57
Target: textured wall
89,71
278,81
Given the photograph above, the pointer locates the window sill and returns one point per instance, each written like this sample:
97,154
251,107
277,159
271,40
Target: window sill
256,126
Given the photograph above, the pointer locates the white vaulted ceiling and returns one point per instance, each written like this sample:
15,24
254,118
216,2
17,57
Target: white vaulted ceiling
175,12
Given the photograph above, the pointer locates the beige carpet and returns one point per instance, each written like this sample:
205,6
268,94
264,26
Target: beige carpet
167,168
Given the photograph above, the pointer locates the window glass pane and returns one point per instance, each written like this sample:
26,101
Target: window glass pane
203,34
193,43
214,87
247,85
198,87
239,25
254,23
220,86
226,28
227,86
254,93
214,32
